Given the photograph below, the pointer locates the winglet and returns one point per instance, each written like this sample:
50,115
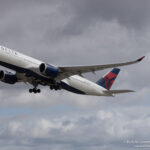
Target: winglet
140,59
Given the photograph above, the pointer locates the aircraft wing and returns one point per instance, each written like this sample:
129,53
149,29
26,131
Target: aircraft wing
118,91
74,70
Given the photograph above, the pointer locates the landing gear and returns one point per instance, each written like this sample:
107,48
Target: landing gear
55,87
38,91
34,90
35,87
30,90
51,87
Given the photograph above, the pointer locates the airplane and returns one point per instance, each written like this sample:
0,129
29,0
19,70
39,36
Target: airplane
35,72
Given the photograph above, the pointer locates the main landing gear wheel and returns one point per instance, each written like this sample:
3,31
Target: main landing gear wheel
34,91
55,87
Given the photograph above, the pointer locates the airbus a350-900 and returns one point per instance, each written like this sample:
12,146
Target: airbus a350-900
36,72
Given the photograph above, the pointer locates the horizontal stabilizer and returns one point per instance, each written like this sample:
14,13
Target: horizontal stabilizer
118,91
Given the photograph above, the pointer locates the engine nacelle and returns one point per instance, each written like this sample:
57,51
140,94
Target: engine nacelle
8,77
49,70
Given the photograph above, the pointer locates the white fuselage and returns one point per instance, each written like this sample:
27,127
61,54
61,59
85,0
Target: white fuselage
11,57
82,84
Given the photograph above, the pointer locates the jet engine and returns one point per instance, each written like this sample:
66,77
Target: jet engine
49,70
8,77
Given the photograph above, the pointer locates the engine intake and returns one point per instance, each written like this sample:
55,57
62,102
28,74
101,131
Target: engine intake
8,77
49,70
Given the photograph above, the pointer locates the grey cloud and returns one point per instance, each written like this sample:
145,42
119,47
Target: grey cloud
128,13
40,34
77,33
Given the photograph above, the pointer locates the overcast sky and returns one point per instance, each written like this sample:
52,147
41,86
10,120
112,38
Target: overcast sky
71,32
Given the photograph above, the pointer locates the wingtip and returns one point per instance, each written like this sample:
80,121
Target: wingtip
140,59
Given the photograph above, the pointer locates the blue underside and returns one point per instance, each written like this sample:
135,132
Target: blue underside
30,73
71,89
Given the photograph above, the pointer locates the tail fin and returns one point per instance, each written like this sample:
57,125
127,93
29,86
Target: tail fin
108,80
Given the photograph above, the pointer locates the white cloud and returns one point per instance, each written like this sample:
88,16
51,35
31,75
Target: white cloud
99,128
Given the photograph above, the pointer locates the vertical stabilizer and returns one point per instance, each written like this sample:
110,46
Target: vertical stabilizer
108,80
